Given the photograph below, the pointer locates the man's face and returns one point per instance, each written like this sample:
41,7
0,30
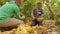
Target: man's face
39,6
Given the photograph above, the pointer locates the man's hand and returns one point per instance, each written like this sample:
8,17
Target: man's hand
23,17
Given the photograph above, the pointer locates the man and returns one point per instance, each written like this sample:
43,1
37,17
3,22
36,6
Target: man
36,14
6,14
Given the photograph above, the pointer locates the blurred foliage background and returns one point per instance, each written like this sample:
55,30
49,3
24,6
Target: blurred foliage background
50,7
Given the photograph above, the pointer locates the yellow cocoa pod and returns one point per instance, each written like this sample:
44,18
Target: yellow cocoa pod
14,29
42,28
40,19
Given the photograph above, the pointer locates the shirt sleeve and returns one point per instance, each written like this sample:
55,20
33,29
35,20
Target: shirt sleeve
17,13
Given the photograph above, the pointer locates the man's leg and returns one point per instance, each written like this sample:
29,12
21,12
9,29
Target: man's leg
34,22
11,23
40,23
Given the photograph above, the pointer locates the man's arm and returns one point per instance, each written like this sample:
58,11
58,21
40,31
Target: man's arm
17,11
42,13
32,15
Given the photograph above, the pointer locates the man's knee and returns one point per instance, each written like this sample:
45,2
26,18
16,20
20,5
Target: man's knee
20,21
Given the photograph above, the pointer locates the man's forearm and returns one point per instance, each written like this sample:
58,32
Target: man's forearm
42,15
33,17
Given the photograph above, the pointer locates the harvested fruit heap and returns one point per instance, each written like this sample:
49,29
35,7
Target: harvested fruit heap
26,29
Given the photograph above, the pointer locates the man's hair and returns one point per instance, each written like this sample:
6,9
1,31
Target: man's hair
39,3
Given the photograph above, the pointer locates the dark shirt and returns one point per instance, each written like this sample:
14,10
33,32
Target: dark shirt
37,14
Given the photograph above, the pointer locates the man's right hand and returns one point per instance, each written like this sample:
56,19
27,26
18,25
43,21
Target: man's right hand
23,17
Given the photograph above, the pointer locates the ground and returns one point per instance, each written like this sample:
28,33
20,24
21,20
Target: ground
48,28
